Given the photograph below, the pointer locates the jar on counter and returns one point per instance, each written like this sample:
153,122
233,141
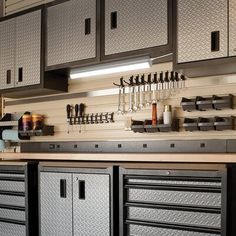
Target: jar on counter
26,122
37,121
167,115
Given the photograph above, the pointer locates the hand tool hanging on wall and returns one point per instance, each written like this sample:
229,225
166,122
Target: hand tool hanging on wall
136,93
154,88
149,91
141,92
131,93
121,99
69,116
166,86
81,115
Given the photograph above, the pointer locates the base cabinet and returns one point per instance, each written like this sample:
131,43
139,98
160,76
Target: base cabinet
18,199
172,202
75,202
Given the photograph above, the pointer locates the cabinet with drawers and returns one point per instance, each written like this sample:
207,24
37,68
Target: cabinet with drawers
18,199
173,202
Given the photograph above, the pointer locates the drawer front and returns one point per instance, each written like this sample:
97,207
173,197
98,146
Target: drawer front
137,230
174,216
8,229
12,200
13,186
12,214
175,197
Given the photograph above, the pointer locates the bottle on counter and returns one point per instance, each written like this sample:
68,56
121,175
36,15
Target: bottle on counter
167,115
154,114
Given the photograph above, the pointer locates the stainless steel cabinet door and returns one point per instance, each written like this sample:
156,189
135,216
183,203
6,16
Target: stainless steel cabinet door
202,27
7,53
56,204
71,32
28,49
91,205
131,25
232,27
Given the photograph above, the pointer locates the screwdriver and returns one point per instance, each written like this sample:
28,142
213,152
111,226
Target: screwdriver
68,112
81,114
76,113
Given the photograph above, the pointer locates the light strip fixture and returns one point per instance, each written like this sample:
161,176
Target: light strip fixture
111,68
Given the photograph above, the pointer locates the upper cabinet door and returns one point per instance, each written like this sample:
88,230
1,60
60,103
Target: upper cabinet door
71,32
232,27
135,25
202,30
91,205
28,49
7,53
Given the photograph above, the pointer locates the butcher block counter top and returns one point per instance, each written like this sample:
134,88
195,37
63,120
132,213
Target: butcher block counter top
123,157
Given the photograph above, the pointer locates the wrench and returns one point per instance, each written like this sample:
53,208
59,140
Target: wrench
141,93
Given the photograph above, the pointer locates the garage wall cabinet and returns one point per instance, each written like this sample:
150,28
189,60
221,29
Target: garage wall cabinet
88,32
205,37
22,57
71,32
76,202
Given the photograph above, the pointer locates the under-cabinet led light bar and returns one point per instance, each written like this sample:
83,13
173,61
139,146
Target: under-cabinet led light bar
111,68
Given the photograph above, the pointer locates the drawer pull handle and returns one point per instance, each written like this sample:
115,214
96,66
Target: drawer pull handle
114,20
215,41
87,26
20,74
63,188
81,189
8,77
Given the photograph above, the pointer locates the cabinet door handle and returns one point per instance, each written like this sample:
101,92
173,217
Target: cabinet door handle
87,26
82,189
114,20
8,77
215,41
63,188
20,74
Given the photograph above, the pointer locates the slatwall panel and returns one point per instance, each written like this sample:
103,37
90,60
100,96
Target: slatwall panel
12,6
56,114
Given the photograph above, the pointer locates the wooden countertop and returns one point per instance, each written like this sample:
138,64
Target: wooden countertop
125,157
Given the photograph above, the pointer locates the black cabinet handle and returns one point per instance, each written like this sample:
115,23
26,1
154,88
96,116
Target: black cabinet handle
87,26
63,188
215,41
20,74
114,20
8,77
82,189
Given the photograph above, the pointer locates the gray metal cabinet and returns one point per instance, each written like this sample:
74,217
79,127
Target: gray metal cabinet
20,49
71,32
202,30
173,202
7,53
91,205
28,49
18,199
232,28
134,25
56,204
75,202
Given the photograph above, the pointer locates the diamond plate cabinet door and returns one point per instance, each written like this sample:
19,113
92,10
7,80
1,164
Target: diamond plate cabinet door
202,30
56,204
232,27
71,32
91,204
7,54
134,25
28,48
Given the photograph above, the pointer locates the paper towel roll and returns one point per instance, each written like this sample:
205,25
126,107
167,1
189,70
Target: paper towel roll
10,135
2,145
